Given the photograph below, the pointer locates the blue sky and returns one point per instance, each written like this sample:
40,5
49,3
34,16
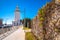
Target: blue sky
7,8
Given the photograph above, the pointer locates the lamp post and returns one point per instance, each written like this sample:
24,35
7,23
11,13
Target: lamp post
24,16
24,19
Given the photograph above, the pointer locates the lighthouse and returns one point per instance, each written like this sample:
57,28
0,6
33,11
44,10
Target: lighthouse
16,21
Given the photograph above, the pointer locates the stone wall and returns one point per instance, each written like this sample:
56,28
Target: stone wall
36,28
51,23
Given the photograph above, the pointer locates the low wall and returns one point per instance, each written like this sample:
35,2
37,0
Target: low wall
17,35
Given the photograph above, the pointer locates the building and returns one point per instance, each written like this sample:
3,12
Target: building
1,22
16,21
17,14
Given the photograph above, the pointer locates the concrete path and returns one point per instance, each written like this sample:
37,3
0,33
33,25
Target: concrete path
17,35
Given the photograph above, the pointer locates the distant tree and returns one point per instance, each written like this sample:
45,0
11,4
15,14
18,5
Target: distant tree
27,22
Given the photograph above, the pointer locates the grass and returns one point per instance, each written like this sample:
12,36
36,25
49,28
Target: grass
25,28
29,36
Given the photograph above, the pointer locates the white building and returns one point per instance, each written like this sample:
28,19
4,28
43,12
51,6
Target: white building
16,21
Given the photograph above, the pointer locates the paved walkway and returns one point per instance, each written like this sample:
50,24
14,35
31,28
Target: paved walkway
17,35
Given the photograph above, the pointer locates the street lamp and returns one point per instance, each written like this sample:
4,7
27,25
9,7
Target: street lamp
24,17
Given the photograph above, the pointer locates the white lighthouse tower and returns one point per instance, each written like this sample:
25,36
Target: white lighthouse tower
17,14
17,17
